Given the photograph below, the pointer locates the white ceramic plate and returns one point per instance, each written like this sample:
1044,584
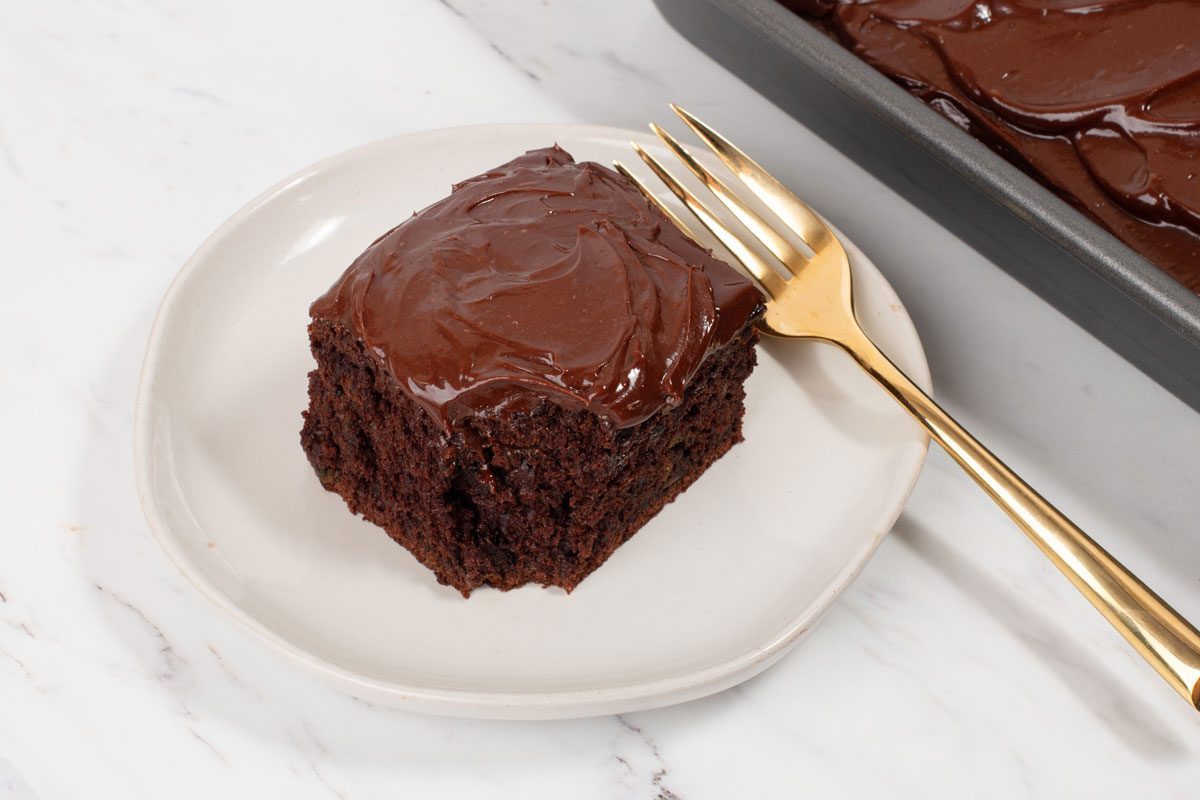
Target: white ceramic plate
715,589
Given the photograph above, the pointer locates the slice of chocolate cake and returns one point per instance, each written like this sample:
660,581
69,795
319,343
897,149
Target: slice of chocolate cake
517,378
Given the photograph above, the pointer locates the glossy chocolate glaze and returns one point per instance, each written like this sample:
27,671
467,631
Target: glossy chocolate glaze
541,278
1098,99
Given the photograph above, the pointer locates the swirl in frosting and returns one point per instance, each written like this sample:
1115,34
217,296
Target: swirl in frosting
1098,99
541,278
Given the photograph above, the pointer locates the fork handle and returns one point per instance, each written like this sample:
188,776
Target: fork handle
1158,632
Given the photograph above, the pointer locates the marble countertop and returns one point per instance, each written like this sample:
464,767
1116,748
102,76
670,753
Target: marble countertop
959,664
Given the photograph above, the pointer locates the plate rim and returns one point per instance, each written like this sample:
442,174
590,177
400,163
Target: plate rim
556,703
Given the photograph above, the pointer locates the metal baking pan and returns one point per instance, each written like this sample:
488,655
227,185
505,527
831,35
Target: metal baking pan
1092,277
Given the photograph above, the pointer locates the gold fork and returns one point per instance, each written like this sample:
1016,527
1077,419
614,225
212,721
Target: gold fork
816,301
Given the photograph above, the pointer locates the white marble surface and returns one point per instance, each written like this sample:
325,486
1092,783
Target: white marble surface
960,664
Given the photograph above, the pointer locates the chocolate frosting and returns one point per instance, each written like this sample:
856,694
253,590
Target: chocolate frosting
1099,99
541,278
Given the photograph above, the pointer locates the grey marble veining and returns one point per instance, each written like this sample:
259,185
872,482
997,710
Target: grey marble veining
959,664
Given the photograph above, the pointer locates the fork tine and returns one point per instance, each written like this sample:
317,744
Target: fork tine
789,208
758,268
663,207
781,247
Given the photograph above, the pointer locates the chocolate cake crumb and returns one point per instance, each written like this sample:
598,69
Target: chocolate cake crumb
515,380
